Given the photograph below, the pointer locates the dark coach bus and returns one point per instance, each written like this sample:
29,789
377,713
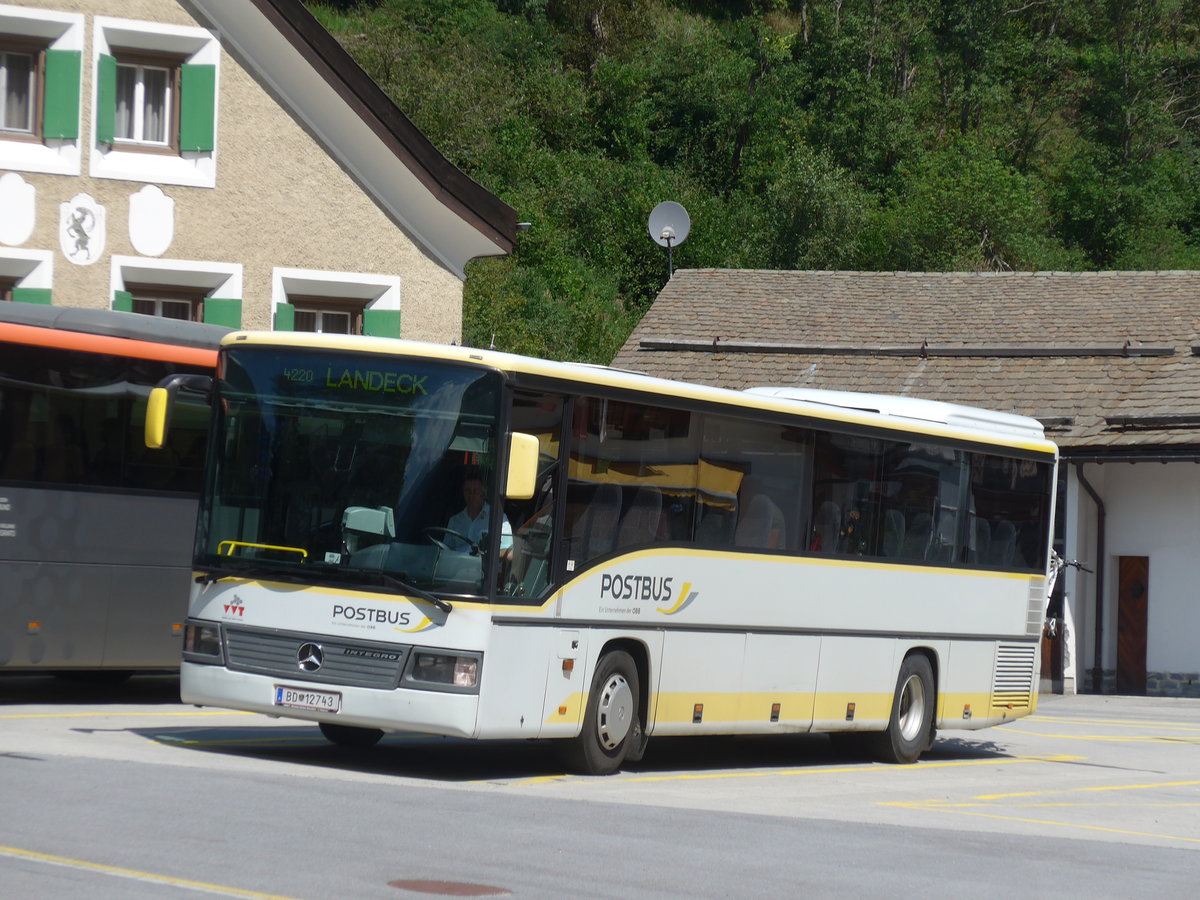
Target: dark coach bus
95,531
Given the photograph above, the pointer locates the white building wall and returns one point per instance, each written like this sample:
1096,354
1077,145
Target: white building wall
1152,510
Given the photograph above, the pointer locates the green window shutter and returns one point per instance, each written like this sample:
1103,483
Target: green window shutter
122,301
381,322
197,107
285,317
41,296
223,312
60,112
106,99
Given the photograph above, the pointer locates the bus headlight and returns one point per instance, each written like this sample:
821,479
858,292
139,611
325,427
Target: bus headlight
434,667
202,639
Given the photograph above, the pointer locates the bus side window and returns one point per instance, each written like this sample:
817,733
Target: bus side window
633,477
1008,504
848,493
756,469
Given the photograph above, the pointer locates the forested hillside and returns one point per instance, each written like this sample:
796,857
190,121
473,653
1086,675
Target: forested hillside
812,134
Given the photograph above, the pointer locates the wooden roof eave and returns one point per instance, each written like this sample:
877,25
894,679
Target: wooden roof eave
451,216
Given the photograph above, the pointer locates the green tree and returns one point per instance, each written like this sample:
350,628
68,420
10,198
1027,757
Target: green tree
916,134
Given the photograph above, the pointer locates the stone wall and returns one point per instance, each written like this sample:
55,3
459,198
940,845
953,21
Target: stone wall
1158,684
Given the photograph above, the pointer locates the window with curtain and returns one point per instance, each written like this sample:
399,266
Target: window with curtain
167,302
145,102
20,65
328,315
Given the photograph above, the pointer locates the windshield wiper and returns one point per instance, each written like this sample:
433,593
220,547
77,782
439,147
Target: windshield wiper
390,580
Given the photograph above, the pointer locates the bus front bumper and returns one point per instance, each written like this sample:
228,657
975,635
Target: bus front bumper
400,709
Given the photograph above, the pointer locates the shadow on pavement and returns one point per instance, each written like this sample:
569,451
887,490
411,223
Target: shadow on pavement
459,760
88,688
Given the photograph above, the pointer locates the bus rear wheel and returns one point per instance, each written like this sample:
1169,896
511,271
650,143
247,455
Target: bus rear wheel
351,736
911,722
612,727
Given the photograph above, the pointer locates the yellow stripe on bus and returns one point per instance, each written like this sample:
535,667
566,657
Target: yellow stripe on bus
827,708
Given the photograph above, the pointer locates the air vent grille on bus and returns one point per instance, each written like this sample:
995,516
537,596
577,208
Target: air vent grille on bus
362,664
1013,684
1036,617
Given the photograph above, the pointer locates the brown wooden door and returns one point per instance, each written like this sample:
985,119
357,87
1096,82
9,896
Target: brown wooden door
1133,596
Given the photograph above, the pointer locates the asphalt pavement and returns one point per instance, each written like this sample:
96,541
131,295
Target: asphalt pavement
121,791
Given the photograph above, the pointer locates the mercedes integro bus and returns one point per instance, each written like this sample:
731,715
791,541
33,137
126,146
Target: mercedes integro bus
643,557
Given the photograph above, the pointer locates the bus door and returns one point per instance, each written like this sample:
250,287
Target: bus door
528,569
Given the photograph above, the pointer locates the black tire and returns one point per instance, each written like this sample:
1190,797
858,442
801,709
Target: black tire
911,722
611,724
351,736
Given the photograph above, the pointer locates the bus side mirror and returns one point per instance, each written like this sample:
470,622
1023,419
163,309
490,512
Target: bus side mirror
158,418
162,398
522,466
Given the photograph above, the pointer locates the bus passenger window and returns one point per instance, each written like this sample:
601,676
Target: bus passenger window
750,477
1009,512
633,477
847,494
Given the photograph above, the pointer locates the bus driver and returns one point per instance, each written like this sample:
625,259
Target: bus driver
471,522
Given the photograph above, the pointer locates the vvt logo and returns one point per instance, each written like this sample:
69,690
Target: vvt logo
235,607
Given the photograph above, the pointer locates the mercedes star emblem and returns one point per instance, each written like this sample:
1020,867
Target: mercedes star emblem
310,656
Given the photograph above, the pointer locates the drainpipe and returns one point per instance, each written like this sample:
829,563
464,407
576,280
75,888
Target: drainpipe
1097,658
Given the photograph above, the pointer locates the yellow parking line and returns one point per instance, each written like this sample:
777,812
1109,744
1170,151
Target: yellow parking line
1116,723
1090,790
933,806
1108,738
976,807
134,874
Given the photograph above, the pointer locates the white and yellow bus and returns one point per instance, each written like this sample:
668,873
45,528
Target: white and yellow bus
653,557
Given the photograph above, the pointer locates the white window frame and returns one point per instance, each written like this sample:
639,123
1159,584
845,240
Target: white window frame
158,309
192,45
30,268
320,315
30,127
60,31
138,106
219,280
376,291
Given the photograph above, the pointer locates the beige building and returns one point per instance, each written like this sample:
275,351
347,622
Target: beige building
224,162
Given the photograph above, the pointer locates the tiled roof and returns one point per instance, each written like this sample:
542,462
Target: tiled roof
1106,359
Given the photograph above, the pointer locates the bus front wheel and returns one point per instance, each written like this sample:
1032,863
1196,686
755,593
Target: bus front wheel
911,722
612,727
351,737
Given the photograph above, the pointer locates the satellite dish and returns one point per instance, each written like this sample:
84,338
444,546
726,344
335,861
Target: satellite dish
669,224
669,227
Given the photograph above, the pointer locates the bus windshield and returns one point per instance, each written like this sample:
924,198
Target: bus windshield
352,470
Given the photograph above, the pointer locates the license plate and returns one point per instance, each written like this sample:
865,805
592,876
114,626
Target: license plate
303,698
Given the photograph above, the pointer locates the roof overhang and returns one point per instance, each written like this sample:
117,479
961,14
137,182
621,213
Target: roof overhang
451,217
